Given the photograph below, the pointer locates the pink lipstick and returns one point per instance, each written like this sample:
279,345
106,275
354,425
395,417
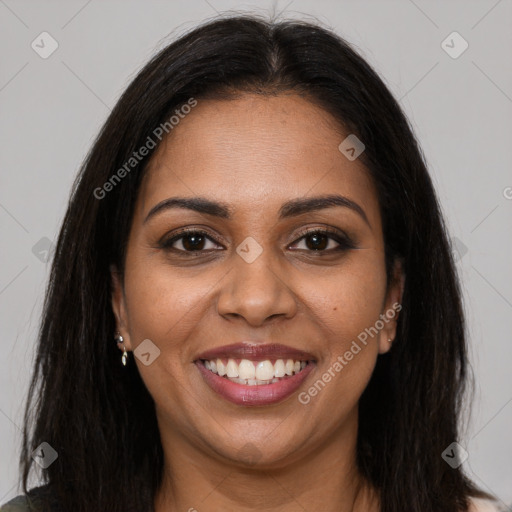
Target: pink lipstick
252,374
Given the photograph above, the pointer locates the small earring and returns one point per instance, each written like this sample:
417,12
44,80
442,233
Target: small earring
119,339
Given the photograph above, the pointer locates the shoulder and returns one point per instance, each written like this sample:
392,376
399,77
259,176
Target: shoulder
483,505
18,504
25,502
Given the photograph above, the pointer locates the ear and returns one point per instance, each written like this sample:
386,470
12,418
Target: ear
119,306
392,308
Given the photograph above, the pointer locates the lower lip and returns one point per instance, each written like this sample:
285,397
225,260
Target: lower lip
264,394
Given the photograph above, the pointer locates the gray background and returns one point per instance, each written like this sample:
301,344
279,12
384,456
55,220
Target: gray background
461,110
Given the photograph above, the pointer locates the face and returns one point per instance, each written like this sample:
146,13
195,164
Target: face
310,279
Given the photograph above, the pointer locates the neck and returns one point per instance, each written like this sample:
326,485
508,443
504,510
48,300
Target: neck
324,478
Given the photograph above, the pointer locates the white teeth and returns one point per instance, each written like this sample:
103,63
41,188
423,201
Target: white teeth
265,370
221,369
232,369
246,369
279,370
251,382
255,373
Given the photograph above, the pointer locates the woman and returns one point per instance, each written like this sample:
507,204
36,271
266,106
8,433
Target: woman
253,303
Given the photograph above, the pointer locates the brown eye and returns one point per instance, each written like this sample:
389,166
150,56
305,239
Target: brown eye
317,241
322,241
190,240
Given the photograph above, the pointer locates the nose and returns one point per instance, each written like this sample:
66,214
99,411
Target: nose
256,292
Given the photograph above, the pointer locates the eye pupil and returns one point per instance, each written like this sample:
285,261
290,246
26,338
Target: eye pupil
317,245
195,244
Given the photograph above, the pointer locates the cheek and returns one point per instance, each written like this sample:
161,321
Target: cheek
165,305
351,299
346,307
164,308
350,353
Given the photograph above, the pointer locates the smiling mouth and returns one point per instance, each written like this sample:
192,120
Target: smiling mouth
255,373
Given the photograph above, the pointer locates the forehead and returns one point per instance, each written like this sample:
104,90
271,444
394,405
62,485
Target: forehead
256,151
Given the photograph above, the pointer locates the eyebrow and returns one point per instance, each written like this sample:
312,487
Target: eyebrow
292,208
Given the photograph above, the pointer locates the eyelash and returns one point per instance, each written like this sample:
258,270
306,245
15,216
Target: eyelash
344,241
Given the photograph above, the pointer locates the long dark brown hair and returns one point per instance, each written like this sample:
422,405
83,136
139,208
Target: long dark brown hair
99,416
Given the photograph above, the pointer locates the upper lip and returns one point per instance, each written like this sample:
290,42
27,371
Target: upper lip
251,350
